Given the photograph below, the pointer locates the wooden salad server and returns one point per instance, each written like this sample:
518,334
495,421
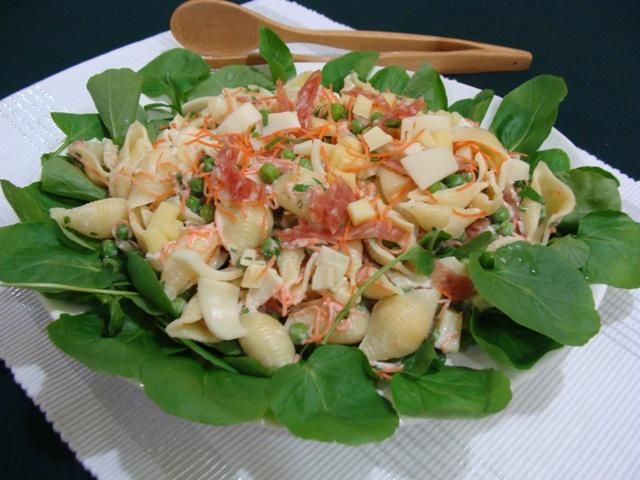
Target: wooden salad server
225,33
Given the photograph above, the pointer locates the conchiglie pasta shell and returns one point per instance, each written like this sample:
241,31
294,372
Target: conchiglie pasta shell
400,324
266,340
242,228
95,219
351,330
298,203
289,264
491,199
136,145
89,154
190,325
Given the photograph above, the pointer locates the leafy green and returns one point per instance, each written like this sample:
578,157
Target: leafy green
32,253
451,391
80,337
229,77
421,259
330,397
78,126
392,78
76,240
474,108
614,248
507,342
59,177
422,360
556,159
146,281
249,366
527,113
595,190
277,55
479,243
531,194
183,387
173,73
539,289
334,72
427,83
574,250
116,316
115,93
26,207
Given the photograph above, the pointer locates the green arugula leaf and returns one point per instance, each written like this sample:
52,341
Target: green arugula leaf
331,398
230,77
392,79
474,108
61,178
422,360
613,239
451,392
422,260
334,72
32,254
507,342
78,126
575,251
527,113
31,204
183,387
80,337
531,194
479,243
277,55
427,83
116,93
539,289
556,159
249,366
595,190
146,281
173,74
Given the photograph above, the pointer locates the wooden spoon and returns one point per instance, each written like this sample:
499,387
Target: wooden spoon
225,33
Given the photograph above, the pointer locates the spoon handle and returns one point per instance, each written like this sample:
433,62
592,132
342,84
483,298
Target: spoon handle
463,61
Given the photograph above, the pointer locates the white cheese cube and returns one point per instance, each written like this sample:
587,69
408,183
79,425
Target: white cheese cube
360,211
362,106
331,266
240,120
376,138
303,148
430,122
280,121
430,166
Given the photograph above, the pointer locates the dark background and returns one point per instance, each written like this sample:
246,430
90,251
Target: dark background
593,45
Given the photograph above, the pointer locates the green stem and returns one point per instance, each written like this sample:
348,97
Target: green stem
344,313
202,352
69,288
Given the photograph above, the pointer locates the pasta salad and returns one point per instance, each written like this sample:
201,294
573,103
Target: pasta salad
309,247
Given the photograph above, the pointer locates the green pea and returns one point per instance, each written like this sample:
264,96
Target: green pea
193,204
206,212
122,232
208,163
270,247
109,249
501,215
454,180
375,116
288,154
505,229
306,163
338,112
357,126
269,173
436,187
196,184
179,177
392,123
298,332
467,176
488,260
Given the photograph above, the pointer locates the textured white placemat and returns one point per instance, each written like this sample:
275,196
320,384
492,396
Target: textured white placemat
576,415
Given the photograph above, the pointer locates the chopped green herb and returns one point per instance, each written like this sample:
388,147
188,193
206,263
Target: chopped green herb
298,332
265,116
301,187
392,123
375,116
306,163
531,194
270,247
